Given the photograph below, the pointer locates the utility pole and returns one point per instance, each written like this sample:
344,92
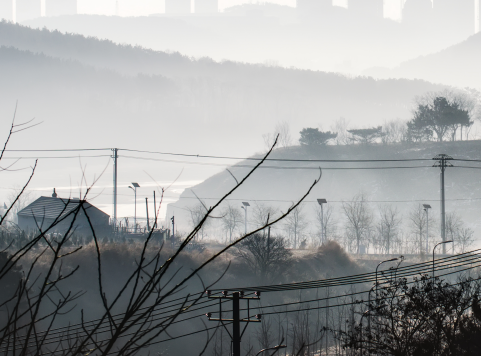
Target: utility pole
173,228
236,319
442,163
155,212
115,156
147,209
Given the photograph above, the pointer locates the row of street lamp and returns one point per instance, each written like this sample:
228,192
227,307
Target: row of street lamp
320,201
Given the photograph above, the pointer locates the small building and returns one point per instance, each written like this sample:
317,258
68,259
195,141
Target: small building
45,211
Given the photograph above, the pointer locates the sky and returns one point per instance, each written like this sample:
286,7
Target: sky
147,7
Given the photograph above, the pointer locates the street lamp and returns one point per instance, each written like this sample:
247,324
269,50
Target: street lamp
323,232
426,209
441,243
136,185
244,206
380,263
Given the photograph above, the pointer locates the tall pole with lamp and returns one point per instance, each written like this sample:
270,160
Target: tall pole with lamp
380,263
135,186
244,206
323,232
444,249
426,209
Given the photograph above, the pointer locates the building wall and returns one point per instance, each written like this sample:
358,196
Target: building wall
99,221
206,6
367,8
27,10
177,7
455,15
477,15
6,10
417,12
60,7
313,9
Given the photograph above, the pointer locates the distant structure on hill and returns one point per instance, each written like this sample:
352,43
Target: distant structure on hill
417,13
60,7
477,16
313,8
367,8
6,10
206,6
455,15
28,10
177,7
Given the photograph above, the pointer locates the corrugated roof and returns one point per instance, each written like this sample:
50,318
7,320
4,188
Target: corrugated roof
51,208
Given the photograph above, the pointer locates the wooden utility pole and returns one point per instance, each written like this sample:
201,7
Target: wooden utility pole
442,163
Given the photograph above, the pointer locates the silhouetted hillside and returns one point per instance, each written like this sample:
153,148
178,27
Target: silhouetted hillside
457,65
281,183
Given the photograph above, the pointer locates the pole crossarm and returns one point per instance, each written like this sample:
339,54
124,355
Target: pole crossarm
236,335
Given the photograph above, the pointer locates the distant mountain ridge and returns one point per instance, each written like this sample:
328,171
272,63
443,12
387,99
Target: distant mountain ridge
458,65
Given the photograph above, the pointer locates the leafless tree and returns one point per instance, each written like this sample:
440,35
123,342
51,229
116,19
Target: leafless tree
326,221
231,220
417,226
388,226
283,131
197,214
464,239
393,131
22,200
265,255
340,126
359,219
457,232
295,225
261,213
264,334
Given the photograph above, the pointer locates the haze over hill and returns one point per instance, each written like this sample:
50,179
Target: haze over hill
94,93
456,65
281,183
337,41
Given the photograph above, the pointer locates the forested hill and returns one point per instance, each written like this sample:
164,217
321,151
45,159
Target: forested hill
405,185
91,81
214,99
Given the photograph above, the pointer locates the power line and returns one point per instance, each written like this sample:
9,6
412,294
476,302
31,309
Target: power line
360,278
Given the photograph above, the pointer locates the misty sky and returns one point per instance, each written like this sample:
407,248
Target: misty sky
146,7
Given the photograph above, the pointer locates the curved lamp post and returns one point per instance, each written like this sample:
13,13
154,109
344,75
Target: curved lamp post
434,249
380,263
244,206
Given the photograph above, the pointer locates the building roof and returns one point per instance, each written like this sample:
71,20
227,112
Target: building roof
52,208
